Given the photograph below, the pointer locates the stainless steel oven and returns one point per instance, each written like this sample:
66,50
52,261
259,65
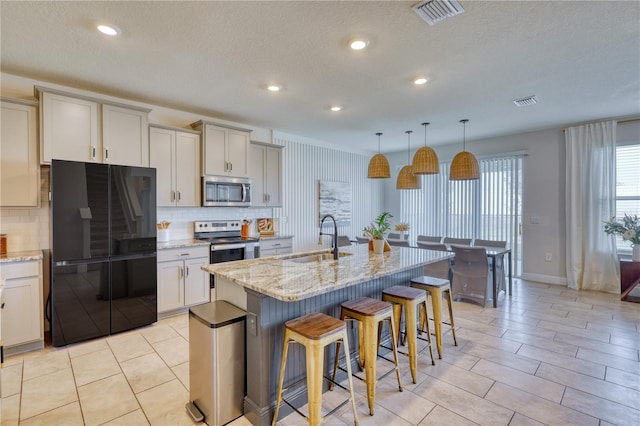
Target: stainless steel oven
227,244
222,191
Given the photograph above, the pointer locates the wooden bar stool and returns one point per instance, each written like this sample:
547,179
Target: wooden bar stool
314,332
437,287
370,313
408,298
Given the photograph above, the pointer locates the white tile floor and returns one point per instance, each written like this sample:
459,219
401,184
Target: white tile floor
547,355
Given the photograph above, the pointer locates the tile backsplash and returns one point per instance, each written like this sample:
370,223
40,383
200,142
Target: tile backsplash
182,218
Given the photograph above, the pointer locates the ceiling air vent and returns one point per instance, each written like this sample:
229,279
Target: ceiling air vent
434,11
529,100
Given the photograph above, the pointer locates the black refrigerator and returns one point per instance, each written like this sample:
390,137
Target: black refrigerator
103,259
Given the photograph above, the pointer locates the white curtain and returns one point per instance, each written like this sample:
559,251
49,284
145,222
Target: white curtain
592,262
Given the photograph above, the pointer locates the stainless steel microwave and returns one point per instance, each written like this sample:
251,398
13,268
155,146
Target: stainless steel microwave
223,191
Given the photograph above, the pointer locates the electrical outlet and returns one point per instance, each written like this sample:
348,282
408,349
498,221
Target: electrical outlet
547,257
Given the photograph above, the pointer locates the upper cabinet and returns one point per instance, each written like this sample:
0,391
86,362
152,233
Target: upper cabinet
85,129
175,153
225,150
125,137
19,170
266,175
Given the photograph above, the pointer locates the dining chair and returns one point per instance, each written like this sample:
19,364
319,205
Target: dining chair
396,236
429,239
440,269
471,275
362,240
501,277
399,243
457,241
343,240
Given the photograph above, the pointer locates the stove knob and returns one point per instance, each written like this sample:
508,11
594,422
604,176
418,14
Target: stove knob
206,224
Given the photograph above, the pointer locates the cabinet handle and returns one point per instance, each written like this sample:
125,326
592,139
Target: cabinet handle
106,153
230,166
183,254
181,272
179,196
264,198
187,271
173,196
93,152
268,198
226,166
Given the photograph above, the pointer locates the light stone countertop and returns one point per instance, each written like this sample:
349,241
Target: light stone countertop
281,278
273,237
21,256
189,242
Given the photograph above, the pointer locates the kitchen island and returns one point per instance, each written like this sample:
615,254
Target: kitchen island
276,289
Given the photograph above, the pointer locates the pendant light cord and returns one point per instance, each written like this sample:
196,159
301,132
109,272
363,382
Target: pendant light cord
425,133
408,132
379,134
464,134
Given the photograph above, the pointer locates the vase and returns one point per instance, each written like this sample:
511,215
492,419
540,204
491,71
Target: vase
635,252
378,246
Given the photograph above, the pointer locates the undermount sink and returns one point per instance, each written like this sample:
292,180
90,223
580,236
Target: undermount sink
319,257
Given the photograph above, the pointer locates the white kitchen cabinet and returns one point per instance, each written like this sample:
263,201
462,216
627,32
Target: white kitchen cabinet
181,281
22,320
19,169
225,150
176,156
276,246
266,175
77,128
125,137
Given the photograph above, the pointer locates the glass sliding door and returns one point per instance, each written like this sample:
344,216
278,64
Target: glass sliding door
489,208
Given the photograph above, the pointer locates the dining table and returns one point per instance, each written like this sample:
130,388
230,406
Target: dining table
493,253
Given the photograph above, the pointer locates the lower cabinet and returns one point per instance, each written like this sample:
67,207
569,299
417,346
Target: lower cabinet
276,246
22,319
181,281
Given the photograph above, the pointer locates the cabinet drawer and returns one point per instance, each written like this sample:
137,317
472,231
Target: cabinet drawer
275,243
18,270
183,253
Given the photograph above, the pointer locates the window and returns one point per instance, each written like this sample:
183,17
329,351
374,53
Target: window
489,208
627,186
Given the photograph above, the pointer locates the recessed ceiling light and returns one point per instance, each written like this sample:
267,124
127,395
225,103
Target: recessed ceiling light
108,29
274,87
420,80
336,108
358,44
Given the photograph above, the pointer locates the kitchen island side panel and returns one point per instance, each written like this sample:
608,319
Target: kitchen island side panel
264,343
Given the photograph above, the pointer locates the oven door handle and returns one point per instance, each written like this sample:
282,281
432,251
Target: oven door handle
227,247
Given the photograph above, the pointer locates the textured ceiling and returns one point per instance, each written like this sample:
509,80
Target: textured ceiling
581,59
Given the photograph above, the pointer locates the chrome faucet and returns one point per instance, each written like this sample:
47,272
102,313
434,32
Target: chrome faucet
334,236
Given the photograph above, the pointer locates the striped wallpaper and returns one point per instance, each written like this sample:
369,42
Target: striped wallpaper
304,165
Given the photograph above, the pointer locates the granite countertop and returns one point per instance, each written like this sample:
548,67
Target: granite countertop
21,256
189,242
273,237
283,279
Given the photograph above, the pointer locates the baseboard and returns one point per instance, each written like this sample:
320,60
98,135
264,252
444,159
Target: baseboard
547,279
23,348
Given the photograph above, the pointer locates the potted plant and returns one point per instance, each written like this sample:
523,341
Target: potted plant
376,231
403,229
629,228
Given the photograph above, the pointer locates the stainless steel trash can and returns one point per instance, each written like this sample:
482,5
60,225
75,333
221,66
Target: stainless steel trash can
217,361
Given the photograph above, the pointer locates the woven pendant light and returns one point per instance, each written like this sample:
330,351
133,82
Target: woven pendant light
406,178
464,165
425,160
378,165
